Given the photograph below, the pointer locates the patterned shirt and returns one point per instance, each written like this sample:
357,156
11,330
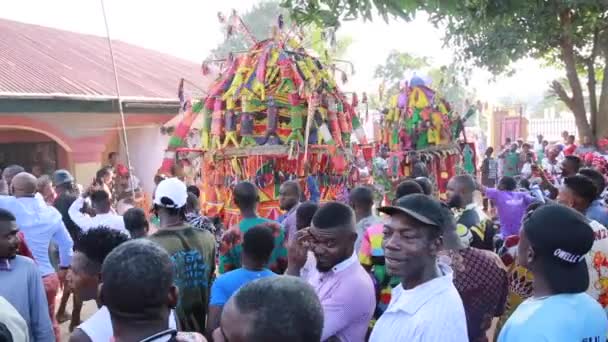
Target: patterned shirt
481,280
204,223
347,296
231,246
362,226
371,256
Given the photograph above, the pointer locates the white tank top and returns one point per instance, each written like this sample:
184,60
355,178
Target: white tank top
99,326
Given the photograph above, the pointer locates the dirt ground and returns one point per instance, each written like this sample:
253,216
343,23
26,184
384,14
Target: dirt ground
88,309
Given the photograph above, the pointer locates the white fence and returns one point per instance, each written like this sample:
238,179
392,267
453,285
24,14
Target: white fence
551,129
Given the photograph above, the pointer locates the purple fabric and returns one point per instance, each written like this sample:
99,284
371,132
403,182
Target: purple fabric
289,223
402,100
348,298
511,208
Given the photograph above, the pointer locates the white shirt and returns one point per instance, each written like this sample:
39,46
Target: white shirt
13,321
99,326
431,312
86,222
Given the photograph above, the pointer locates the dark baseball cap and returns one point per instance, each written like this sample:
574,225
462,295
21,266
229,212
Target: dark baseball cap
422,208
563,237
62,177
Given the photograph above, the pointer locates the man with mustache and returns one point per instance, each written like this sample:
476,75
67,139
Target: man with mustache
425,306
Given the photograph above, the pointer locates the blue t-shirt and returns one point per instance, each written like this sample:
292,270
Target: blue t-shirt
227,284
597,211
563,317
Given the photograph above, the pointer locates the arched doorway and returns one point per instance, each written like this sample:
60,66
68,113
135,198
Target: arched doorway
32,149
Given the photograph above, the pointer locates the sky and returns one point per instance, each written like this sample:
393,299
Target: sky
189,29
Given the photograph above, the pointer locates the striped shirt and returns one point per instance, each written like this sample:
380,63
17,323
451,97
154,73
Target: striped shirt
432,311
348,299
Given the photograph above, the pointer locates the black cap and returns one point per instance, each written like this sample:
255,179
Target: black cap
423,208
62,177
563,237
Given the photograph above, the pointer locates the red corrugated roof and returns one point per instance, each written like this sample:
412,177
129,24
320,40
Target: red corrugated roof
41,60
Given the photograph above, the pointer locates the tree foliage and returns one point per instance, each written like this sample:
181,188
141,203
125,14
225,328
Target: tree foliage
263,16
450,81
571,34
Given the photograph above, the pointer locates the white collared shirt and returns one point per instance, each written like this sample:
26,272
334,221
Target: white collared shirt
86,222
429,312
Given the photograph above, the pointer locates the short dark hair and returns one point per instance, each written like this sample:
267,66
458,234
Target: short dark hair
135,220
246,195
596,177
305,213
137,276
526,145
467,181
97,243
408,187
508,183
258,243
581,186
193,189
333,215
12,170
268,298
104,171
575,160
295,186
192,203
571,137
362,195
100,198
489,150
524,184
112,154
425,184
7,216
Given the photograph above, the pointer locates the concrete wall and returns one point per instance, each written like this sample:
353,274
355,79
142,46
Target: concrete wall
87,138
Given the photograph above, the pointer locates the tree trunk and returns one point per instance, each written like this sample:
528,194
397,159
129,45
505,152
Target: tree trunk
576,103
602,115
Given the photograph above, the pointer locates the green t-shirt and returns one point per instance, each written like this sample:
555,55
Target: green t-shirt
193,254
231,259
511,164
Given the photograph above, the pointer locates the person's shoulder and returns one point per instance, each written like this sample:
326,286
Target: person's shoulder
25,262
229,277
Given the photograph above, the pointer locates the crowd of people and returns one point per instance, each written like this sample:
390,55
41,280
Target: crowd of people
415,269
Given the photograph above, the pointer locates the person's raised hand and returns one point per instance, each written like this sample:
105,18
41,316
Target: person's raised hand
297,251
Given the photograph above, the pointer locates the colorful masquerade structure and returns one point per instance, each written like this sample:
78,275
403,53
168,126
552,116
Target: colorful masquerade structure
274,114
419,131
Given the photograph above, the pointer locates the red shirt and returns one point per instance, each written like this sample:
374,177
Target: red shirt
569,150
24,250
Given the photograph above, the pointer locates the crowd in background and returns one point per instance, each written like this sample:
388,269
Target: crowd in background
516,268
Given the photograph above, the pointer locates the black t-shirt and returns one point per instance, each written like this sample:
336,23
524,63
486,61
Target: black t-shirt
483,231
62,204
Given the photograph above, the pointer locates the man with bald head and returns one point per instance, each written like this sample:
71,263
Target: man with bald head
40,223
9,173
473,226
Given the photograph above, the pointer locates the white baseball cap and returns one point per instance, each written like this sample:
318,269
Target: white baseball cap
171,193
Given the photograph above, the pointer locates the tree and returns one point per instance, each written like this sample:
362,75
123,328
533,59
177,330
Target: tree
263,16
572,34
259,20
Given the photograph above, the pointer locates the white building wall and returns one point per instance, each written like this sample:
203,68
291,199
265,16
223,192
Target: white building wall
146,148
